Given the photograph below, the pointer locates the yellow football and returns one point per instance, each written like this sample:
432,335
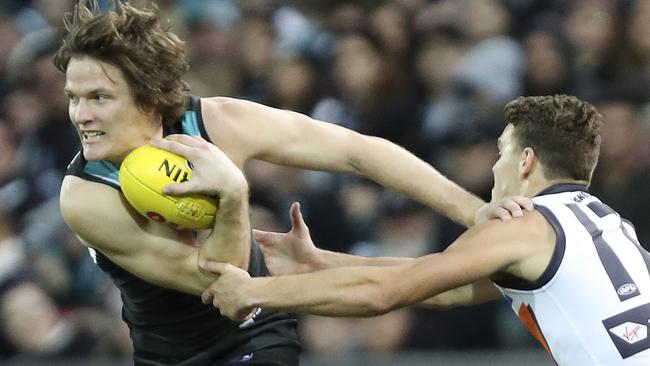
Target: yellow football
144,173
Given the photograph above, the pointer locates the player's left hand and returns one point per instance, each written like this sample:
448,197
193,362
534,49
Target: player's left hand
504,209
226,293
213,173
291,252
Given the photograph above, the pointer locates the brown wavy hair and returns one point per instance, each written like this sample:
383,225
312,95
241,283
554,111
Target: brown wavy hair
563,130
152,58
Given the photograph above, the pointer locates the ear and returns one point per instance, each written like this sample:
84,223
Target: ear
528,163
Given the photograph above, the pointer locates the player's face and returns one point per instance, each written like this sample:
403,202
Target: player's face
103,111
506,169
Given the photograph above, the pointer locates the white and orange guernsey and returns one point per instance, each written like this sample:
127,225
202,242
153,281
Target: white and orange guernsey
577,319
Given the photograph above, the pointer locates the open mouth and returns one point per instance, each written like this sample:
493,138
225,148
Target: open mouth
90,136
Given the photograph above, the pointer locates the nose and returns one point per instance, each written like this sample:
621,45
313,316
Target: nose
81,112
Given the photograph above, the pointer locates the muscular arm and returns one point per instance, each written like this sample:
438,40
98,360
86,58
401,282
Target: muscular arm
521,248
325,259
103,220
294,252
246,130
479,292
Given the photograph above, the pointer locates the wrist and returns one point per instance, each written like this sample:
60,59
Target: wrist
233,195
253,291
234,188
317,260
479,214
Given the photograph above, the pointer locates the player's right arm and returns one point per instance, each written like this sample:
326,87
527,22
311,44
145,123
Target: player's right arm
103,220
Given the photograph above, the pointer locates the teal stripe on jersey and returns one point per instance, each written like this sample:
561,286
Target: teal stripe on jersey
103,170
190,124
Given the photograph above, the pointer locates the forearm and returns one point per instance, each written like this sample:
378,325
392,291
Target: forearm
230,238
290,138
446,300
456,297
350,291
472,294
324,259
475,293
400,170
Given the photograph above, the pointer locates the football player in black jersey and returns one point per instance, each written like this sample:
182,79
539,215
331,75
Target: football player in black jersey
124,80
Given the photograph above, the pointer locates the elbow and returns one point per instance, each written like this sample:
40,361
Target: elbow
394,298
393,294
362,147
384,304
383,298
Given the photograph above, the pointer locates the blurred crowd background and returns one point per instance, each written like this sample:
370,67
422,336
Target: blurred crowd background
432,76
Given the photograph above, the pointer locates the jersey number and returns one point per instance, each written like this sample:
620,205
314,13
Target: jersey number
629,329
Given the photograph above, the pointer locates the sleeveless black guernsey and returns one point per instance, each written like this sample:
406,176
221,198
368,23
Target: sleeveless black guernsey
168,327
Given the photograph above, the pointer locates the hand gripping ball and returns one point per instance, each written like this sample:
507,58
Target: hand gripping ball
144,173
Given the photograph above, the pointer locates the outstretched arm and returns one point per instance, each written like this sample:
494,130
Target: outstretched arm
294,252
247,130
365,291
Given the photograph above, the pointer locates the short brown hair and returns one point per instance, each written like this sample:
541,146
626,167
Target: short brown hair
563,130
151,57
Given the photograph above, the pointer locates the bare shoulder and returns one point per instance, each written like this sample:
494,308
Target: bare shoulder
531,225
221,117
97,213
239,127
517,239
79,195
220,103
76,197
532,243
229,109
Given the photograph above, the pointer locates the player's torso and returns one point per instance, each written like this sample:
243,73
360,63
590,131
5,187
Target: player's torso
172,326
592,305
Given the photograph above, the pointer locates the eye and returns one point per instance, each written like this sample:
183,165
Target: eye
72,99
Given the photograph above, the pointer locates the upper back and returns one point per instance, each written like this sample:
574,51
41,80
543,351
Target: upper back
592,305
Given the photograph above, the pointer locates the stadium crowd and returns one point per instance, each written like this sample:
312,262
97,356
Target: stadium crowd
432,76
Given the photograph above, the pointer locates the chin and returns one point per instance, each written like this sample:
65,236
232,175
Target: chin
90,157
91,153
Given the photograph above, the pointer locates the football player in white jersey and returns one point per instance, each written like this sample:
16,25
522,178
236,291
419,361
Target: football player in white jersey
572,269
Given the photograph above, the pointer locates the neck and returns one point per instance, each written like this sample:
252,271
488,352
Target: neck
534,187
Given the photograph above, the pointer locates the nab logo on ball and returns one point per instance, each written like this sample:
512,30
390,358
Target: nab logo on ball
144,173
173,172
